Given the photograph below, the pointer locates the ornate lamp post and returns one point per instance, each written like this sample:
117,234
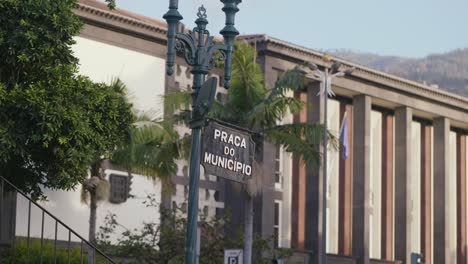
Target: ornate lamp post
325,78
200,52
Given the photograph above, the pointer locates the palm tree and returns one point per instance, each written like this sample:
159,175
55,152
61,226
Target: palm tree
252,105
94,189
152,148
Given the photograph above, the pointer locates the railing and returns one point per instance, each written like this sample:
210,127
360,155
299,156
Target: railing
91,250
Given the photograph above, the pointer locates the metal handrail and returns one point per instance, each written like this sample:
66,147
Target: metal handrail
57,221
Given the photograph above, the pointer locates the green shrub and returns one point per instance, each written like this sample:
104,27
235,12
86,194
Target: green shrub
19,253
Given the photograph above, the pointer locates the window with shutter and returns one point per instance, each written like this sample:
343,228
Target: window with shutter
118,188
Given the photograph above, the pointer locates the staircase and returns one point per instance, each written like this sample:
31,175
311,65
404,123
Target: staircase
29,249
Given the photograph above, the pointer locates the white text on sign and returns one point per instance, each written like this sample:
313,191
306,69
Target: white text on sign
229,138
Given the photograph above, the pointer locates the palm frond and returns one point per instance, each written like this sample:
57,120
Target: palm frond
155,160
178,105
271,110
119,86
180,118
247,84
290,80
217,110
184,145
153,151
146,115
179,100
84,195
302,139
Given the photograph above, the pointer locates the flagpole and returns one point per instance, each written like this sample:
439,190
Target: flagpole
325,169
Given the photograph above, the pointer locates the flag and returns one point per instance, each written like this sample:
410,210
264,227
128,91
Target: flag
344,138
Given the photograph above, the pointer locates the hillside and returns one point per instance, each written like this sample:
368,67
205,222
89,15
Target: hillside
449,71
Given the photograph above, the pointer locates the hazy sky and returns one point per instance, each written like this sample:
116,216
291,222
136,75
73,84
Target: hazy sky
411,28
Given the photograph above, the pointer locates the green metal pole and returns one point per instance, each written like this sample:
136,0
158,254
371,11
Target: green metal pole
191,235
199,54
194,178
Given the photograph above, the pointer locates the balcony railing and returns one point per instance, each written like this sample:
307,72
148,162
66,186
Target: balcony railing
88,253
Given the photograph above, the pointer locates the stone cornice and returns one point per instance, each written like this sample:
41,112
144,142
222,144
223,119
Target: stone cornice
303,54
90,10
97,14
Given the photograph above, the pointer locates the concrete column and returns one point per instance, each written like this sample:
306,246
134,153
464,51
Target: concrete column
403,124
299,187
461,199
345,185
387,187
426,193
361,177
441,172
269,194
314,191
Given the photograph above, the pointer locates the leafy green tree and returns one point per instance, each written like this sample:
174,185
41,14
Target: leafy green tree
251,104
53,122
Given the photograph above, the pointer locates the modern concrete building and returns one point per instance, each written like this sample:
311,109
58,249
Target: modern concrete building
402,189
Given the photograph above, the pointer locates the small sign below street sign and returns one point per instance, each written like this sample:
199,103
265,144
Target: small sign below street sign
227,152
233,256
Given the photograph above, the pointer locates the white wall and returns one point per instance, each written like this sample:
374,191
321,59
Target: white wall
64,205
286,172
375,215
67,207
451,202
144,77
466,182
432,190
286,168
333,188
206,197
414,196
133,213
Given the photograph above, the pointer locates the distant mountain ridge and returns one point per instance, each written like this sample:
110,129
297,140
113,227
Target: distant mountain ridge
448,71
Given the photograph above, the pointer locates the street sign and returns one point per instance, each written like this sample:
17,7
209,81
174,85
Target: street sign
204,102
233,256
227,152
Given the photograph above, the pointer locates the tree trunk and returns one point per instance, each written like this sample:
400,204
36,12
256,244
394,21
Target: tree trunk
248,228
92,225
96,171
96,168
92,217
